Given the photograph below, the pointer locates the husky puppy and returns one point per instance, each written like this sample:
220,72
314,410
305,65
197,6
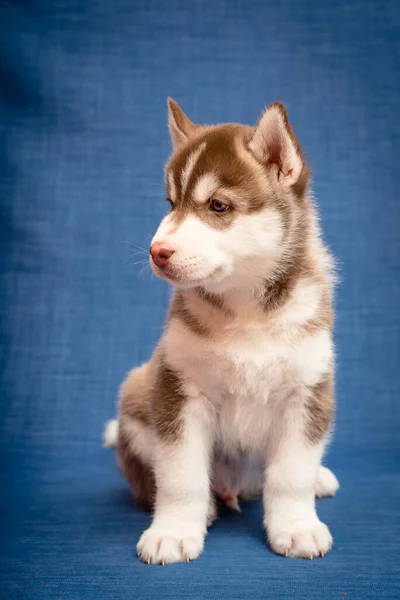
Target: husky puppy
237,399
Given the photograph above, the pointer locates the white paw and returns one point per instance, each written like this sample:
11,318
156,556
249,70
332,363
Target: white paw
301,539
327,484
164,547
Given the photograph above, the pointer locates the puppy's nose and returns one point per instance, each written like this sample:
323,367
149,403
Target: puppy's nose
161,253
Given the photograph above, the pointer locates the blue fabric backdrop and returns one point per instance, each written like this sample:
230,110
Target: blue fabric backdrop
84,138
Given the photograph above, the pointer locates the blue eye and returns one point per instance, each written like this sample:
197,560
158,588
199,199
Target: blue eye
218,207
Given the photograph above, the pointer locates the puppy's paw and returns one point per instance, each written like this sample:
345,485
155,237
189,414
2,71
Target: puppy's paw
327,484
301,539
163,546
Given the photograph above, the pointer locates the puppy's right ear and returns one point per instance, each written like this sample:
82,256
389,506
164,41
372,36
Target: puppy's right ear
274,143
181,128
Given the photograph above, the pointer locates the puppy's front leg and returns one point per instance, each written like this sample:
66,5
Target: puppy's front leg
183,489
294,455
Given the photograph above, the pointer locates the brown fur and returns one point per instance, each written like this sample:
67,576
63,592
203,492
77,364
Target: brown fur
278,290
242,188
139,476
135,405
182,310
182,122
152,396
168,400
135,400
324,317
199,310
320,409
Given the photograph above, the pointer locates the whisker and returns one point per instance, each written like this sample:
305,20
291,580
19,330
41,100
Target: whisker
127,242
138,255
143,270
143,252
138,262
136,250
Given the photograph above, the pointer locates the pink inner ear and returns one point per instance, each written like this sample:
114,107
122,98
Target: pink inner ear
178,138
272,144
275,152
180,126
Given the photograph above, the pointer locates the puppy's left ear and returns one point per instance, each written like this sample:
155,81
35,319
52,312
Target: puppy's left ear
274,143
181,128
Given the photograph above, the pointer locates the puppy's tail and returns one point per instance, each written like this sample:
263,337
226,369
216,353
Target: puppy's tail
110,434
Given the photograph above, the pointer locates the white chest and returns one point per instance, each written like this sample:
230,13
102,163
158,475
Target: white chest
246,374
248,362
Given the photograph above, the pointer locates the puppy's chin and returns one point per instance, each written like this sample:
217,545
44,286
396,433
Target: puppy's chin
186,280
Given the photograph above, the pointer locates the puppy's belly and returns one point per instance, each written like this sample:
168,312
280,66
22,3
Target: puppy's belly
239,455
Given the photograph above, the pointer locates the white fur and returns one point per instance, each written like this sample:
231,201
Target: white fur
303,304
141,440
289,493
183,495
205,187
250,373
246,381
171,186
249,249
327,484
165,229
190,165
192,260
110,435
312,356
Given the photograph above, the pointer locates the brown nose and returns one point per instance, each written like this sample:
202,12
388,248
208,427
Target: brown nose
161,253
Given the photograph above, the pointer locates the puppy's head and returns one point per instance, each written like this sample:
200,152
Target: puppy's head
235,193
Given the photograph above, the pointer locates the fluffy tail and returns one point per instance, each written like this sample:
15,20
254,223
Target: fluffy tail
110,435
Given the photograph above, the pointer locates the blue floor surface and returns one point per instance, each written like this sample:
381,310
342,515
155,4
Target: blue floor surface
83,88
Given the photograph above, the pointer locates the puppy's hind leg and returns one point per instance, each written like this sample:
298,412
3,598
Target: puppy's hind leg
327,484
136,461
132,436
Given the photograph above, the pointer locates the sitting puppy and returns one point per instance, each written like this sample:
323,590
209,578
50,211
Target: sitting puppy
237,399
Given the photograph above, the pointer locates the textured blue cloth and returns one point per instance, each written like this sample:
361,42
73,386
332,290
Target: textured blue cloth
83,123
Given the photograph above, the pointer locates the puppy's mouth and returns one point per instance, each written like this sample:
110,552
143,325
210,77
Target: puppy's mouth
179,278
